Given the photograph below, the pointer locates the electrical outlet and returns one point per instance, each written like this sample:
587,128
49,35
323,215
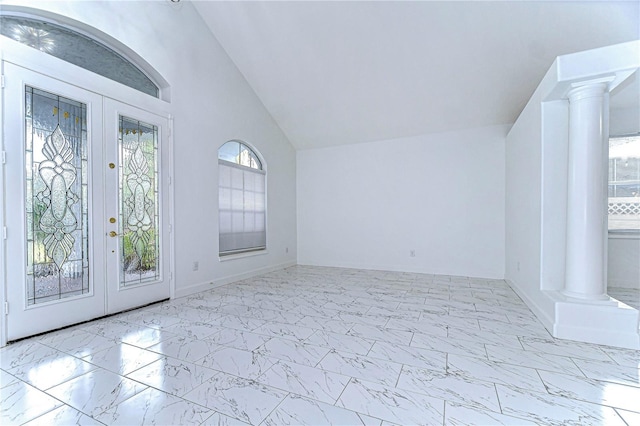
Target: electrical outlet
196,265
412,253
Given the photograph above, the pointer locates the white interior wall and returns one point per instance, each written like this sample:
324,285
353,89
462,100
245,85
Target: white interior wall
369,205
211,103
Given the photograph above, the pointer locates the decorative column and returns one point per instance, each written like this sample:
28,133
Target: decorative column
586,205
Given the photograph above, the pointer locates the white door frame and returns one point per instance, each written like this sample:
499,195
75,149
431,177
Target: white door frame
55,68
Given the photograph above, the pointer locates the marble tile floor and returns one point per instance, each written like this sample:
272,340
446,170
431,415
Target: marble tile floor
317,346
629,296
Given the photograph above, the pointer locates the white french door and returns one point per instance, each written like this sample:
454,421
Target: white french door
86,205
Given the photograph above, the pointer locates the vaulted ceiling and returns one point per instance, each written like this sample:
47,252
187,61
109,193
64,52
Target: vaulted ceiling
346,72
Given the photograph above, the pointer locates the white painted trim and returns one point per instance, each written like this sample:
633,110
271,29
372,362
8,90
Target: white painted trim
200,287
398,268
243,255
543,317
3,242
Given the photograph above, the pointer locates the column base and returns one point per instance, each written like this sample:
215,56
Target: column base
605,322
585,297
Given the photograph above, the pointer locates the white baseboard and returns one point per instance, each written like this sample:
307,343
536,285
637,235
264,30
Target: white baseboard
541,314
208,285
397,268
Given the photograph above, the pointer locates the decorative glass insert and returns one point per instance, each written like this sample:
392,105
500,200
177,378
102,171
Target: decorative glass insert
624,183
138,186
241,200
56,197
78,49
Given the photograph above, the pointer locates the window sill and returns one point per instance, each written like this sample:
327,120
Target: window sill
633,234
242,255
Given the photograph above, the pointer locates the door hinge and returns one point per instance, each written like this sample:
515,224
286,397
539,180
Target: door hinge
4,232
4,157
170,180
6,308
170,275
2,81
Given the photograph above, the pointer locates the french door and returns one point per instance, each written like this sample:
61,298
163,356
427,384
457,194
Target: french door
86,204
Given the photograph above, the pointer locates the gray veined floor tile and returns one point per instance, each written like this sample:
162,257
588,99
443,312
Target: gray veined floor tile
237,362
7,379
297,410
154,407
185,348
192,329
311,382
461,415
289,350
454,388
532,359
343,342
51,371
25,352
565,348
82,343
285,331
362,367
484,337
236,397
409,355
625,357
151,319
494,372
554,410
398,337
450,346
609,372
20,402
590,390
96,391
245,340
329,325
630,417
390,404
64,415
122,358
172,375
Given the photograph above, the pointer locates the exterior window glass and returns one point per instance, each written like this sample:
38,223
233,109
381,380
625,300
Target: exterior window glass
242,199
624,183
77,49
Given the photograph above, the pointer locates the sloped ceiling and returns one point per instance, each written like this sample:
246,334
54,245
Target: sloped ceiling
335,73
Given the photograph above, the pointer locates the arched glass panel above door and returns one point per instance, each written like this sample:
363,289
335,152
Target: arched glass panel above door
78,49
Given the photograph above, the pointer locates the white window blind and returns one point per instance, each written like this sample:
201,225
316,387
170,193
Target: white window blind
242,208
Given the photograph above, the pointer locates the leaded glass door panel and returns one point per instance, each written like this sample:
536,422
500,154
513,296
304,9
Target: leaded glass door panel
137,207
87,218
53,140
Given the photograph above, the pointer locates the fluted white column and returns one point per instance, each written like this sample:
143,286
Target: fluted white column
586,211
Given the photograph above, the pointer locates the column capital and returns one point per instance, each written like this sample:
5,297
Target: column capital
589,88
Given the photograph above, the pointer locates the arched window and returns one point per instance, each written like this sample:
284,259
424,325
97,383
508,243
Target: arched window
242,200
78,49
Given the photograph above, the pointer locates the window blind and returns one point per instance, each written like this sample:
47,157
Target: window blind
242,208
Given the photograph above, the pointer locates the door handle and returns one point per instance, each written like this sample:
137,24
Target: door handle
113,234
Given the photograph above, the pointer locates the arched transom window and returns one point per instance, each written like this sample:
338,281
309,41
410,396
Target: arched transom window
242,200
78,49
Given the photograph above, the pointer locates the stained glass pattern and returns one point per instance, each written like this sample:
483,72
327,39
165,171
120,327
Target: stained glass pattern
56,197
139,240
78,49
